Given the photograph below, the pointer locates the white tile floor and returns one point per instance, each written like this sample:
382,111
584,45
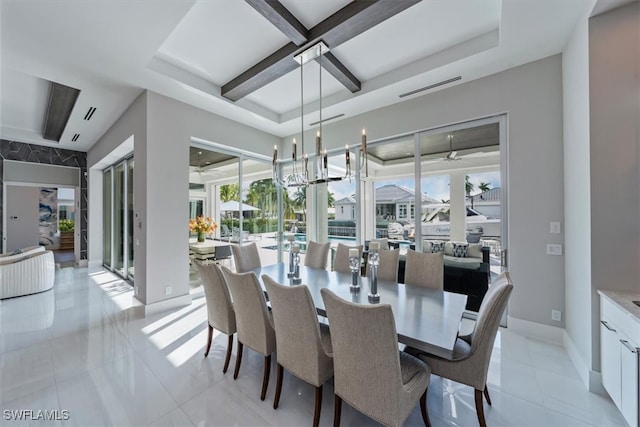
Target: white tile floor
83,347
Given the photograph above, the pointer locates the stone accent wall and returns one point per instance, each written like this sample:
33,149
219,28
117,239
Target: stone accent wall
10,150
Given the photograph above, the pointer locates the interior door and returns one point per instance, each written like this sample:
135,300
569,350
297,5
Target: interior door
21,215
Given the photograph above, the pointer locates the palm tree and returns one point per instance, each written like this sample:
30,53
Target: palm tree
484,186
230,192
468,185
330,199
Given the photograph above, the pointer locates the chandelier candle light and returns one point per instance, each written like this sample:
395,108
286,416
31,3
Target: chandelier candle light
300,175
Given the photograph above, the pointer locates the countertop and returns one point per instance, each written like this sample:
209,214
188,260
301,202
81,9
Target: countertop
624,300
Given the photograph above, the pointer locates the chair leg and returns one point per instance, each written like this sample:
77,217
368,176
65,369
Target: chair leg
206,351
479,408
337,409
265,378
486,394
238,360
318,408
228,356
279,372
423,408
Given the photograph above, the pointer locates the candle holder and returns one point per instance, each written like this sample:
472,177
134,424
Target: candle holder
296,266
291,262
374,260
354,265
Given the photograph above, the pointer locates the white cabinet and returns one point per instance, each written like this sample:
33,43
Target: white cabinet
619,356
610,360
629,380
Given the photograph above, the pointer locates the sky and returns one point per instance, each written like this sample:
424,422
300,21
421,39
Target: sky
436,187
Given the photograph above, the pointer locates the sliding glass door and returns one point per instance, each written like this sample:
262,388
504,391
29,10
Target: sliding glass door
117,246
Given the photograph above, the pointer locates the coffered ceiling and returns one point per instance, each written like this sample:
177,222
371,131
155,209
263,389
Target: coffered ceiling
189,50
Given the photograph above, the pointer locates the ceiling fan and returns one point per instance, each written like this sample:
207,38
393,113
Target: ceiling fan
452,155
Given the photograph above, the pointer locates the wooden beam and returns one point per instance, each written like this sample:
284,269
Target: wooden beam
264,72
350,21
340,72
356,18
283,20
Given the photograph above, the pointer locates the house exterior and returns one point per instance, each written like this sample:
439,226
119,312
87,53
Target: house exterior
487,203
393,203
345,208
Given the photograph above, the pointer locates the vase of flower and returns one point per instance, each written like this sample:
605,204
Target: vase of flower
201,226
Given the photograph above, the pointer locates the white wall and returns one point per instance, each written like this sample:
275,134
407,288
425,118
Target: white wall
577,199
162,129
614,87
532,96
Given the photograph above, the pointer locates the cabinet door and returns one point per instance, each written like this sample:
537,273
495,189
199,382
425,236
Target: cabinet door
610,360
629,380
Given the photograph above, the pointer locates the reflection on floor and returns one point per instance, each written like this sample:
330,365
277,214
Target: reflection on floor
85,347
64,258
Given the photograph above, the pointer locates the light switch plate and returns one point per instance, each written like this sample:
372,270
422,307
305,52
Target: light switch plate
553,249
554,227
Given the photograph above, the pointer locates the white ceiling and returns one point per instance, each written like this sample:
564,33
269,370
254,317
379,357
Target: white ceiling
186,49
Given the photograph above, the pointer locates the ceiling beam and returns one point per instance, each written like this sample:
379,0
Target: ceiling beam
356,18
339,71
282,19
350,21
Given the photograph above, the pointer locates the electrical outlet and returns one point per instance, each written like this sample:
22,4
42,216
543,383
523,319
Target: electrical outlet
167,290
554,227
556,315
135,288
554,249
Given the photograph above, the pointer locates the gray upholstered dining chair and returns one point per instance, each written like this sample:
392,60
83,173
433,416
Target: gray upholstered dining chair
220,312
317,254
388,266
472,353
304,345
424,269
246,257
370,373
253,321
341,260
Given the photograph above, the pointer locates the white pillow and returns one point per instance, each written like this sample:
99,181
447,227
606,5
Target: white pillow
475,250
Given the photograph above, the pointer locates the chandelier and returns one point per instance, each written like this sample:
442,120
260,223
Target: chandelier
301,175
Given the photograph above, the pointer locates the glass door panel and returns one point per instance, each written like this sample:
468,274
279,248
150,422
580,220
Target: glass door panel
130,222
106,217
119,210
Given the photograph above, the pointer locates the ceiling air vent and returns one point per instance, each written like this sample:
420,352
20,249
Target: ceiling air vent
75,137
444,82
327,119
90,113
59,106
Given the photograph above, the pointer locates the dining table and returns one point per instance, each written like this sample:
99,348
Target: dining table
426,319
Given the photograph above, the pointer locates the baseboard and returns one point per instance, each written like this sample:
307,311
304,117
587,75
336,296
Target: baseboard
576,359
167,304
536,330
94,264
595,384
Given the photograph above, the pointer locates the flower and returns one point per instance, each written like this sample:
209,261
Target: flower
202,224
